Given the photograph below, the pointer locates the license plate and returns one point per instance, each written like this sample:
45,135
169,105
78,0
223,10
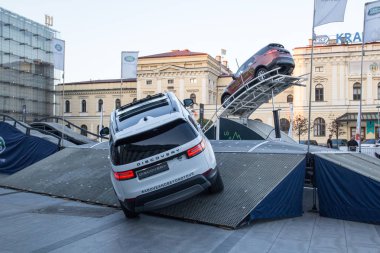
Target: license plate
148,172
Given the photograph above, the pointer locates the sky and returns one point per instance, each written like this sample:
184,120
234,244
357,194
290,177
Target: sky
97,31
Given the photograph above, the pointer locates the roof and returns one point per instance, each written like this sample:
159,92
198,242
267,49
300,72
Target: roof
352,116
103,81
173,53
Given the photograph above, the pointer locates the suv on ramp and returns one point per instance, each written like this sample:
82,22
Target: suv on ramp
159,155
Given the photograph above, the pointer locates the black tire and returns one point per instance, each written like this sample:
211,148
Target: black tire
261,74
217,185
225,98
128,214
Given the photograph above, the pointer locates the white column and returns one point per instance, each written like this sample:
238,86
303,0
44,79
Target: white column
159,86
369,88
204,90
342,84
138,89
181,89
334,85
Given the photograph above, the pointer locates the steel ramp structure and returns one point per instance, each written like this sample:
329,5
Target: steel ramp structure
348,186
253,94
257,185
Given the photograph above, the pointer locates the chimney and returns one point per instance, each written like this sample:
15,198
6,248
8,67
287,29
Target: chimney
218,58
225,63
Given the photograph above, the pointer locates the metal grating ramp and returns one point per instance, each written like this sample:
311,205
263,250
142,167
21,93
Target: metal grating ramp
248,179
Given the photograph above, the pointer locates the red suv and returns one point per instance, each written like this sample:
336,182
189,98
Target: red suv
270,57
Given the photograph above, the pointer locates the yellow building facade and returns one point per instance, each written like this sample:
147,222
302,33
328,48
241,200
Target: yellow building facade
335,88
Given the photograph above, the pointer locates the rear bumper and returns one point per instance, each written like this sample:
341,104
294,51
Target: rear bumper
171,194
285,63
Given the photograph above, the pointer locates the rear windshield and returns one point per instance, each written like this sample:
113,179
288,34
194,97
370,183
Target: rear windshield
152,142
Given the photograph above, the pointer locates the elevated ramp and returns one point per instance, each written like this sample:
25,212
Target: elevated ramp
257,185
348,186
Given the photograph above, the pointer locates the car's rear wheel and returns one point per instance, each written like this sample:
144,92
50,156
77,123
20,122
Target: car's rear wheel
128,213
217,185
261,73
224,99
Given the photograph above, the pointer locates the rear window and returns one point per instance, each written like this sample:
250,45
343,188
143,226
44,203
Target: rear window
152,142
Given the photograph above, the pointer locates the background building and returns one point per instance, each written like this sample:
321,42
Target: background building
26,67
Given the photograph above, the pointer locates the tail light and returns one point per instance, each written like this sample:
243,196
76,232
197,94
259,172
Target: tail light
271,51
124,175
196,149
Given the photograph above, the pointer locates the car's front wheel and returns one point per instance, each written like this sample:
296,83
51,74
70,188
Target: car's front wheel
217,185
128,213
261,74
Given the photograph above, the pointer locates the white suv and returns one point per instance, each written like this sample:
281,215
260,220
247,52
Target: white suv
159,155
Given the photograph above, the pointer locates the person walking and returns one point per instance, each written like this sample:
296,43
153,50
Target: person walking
352,144
329,142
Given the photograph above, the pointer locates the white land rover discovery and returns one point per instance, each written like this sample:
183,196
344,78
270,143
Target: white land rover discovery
159,156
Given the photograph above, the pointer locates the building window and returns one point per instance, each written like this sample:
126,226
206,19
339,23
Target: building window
193,80
100,105
67,106
319,92
117,103
362,132
134,100
148,82
284,125
289,99
319,127
319,69
193,97
259,120
356,91
170,81
83,130
97,129
378,91
84,109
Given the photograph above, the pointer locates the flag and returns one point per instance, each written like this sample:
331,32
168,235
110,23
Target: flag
358,128
290,133
58,49
129,64
372,22
328,11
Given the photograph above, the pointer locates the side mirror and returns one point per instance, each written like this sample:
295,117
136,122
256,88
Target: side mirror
105,131
233,77
188,102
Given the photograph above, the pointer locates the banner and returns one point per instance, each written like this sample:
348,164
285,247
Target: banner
58,49
129,64
328,11
372,22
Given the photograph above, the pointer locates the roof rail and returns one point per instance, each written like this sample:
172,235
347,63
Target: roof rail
149,97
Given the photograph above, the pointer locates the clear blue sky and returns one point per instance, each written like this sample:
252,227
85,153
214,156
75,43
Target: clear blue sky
96,31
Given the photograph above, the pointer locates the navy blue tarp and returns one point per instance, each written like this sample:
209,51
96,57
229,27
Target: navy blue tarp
346,194
18,150
286,198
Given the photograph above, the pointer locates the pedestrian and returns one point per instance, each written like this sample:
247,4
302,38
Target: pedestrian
329,142
352,144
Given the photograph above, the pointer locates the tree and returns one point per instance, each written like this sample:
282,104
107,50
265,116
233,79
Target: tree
335,128
300,126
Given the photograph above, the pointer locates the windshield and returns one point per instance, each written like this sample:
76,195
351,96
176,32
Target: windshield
152,142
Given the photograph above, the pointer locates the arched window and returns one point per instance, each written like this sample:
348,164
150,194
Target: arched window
100,105
319,127
356,91
289,99
319,92
84,106
259,120
67,106
117,103
193,97
134,100
284,125
378,91
83,130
